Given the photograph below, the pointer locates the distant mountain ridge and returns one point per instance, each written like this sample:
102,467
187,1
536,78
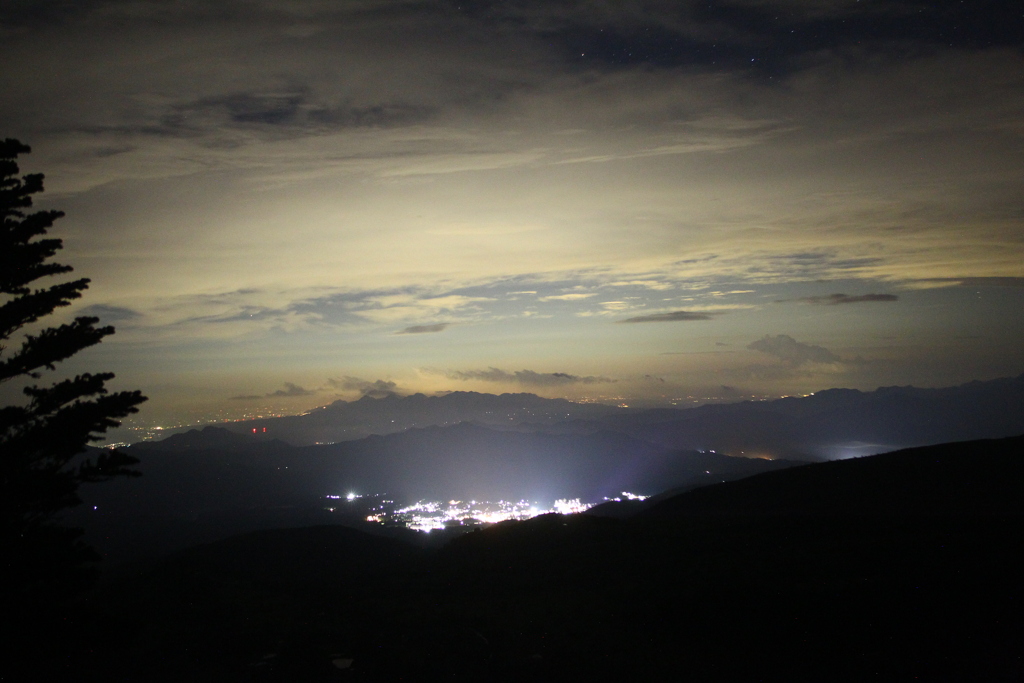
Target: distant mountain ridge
841,423
830,424
352,420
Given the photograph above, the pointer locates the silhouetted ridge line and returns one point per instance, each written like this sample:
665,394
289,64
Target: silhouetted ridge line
827,425
983,477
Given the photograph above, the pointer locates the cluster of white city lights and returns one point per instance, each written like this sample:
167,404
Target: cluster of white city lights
564,506
428,515
626,495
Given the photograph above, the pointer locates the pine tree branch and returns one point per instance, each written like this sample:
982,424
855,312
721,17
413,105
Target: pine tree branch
21,260
51,346
29,308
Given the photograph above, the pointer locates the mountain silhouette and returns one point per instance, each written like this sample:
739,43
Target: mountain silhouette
351,420
827,425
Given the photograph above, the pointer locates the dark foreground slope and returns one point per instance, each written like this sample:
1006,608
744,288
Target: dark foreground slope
956,479
904,566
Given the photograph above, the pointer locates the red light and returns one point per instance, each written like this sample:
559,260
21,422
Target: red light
264,430
253,430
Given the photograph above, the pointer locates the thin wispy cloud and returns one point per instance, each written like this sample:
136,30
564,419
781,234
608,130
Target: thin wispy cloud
992,282
575,296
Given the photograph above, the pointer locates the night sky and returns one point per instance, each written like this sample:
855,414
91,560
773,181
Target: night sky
281,203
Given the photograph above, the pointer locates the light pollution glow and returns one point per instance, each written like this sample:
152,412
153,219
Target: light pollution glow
298,197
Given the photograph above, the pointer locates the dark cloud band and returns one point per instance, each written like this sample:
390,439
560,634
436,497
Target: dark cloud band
674,316
424,329
837,299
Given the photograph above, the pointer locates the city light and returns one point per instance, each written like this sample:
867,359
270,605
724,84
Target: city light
627,496
427,515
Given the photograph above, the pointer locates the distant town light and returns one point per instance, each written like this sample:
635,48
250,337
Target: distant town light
570,506
427,515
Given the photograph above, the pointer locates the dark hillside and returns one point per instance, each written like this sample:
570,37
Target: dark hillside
962,479
901,567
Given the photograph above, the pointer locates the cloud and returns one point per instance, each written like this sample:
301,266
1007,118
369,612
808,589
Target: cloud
792,352
649,284
665,34
110,314
674,316
290,391
836,299
567,297
377,389
818,264
972,282
614,305
424,329
992,282
528,377
374,115
389,306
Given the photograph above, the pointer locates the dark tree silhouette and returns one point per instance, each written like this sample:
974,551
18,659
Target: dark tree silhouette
44,434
